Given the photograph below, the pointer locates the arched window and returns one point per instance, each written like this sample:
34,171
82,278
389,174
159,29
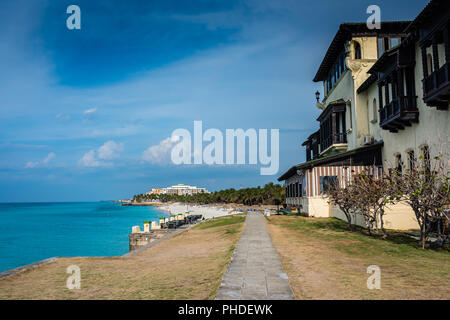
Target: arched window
374,111
411,160
357,50
398,163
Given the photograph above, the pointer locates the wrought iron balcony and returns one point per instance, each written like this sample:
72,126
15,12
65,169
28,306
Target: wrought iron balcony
400,112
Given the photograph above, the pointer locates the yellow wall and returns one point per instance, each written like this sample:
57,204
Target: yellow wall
347,85
398,217
317,207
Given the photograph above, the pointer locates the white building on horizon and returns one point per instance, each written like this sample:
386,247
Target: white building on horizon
180,189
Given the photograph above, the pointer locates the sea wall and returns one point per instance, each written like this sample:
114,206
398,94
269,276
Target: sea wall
140,239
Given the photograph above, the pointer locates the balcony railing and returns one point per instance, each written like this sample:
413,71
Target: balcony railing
436,80
436,85
333,139
399,112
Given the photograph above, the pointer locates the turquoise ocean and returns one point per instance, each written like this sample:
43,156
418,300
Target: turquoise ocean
30,232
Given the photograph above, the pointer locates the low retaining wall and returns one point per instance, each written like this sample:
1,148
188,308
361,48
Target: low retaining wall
30,266
137,240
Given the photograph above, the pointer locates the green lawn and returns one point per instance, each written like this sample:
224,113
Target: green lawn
326,245
333,229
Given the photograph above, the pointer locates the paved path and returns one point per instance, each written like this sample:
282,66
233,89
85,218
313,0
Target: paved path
255,270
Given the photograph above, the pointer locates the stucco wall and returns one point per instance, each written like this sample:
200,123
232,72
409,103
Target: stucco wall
356,114
344,90
398,217
359,74
315,206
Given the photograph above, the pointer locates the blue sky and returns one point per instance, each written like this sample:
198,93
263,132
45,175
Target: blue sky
79,108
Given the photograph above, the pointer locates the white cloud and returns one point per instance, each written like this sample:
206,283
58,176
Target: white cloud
49,157
31,164
108,151
159,154
90,111
89,160
89,115
34,164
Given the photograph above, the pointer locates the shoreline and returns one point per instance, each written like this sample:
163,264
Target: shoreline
10,272
142,204
209,211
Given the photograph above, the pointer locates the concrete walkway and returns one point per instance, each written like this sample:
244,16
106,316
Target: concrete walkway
255,271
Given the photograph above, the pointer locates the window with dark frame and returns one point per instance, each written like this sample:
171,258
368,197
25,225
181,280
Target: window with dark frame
411,160
357,51
426,158
336,72
326,182
386,43
304,186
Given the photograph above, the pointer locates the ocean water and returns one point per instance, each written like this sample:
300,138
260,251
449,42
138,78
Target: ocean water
30,232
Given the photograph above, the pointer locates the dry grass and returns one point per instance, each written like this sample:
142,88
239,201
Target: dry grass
187,266
325,261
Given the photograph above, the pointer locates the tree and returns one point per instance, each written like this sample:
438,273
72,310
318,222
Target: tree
269,194
367,195
425,188
345,198
374,194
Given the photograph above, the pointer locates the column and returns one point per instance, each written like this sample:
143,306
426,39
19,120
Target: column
344,128
380,102
380,95
447,43
334,136
435,54
394,86
400,85
386,91
424,61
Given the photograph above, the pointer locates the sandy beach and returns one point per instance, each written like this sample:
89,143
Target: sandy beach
207,211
